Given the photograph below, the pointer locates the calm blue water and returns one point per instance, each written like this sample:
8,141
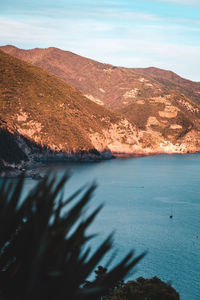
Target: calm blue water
138,195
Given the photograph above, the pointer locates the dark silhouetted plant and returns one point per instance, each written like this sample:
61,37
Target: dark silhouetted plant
144,289
43,249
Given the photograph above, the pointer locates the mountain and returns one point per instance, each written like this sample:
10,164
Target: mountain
107,84
163,108
42,117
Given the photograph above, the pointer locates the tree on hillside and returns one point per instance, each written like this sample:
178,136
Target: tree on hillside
141,289
144,289
44,252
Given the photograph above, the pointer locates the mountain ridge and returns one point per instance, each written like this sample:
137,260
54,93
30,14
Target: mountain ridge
87,75
151,69
136,114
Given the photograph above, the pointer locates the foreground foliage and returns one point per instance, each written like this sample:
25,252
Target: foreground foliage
43,249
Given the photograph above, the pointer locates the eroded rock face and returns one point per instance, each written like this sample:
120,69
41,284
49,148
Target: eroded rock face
124,138
96,100
121,137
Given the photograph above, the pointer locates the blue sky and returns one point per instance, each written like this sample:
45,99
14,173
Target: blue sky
131,33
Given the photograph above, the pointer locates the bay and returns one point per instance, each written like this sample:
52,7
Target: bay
138,195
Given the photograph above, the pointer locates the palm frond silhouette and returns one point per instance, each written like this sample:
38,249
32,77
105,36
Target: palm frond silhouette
43,248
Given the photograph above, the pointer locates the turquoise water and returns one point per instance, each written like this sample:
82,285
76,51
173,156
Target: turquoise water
138,195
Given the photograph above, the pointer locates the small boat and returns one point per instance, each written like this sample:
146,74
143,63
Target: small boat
171,215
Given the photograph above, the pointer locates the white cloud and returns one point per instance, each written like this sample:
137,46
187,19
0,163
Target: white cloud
101,13
131,15
183,2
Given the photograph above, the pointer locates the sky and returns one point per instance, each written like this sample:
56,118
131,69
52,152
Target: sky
129,33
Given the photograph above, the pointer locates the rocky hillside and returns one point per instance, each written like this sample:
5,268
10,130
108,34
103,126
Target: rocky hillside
164,107
43,117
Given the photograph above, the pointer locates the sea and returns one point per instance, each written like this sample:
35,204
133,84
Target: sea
138,196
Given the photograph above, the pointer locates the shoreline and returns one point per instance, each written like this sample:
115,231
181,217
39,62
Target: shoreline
143,154
33,169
